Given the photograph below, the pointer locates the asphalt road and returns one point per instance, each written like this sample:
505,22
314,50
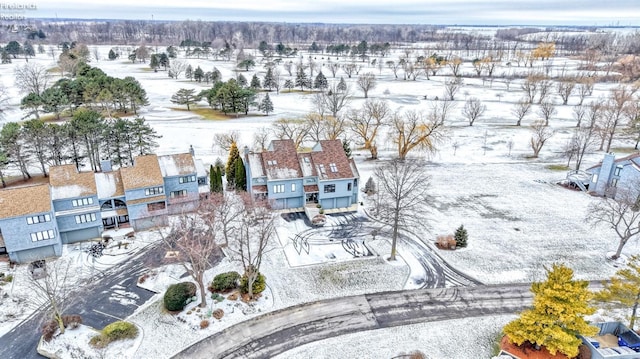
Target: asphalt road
107,298
274,333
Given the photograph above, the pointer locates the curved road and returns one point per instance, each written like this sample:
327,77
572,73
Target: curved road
276,332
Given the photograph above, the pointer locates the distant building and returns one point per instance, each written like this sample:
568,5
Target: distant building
292,180
613,175
75,206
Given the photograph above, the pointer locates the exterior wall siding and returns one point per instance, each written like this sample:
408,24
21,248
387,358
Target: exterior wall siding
17,237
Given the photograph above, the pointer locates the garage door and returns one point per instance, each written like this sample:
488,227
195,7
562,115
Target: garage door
30,255
80,235
342,202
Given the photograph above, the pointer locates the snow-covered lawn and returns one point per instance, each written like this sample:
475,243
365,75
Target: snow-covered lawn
518,219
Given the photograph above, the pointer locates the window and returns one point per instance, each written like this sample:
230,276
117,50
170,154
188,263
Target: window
329,188
272,162
349,186
180,193
293,187
153,191
82,202
617,171
39,219
187,179
156,206
322,170
42,235
278,188
202,181
83,218
333,167
614,182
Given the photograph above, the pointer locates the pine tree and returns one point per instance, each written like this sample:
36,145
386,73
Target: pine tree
346,147
255,82
269,81
212,179
320,82
301,78
370,186
219,185
234,154
287,83
242,81
461,237
266,105
241,176
4,55
624,288
188,72
342,85
112,55
198,74
557,317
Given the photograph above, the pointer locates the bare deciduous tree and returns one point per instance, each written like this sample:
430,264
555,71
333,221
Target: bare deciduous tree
291,129
365,123
620,214
366,82
451,87
541,133
225,139
193,237
616,109
411,130
177,67
565,88
473,110
333,100
401,196
325,127
546,110
252,238
350,69
579,113
261,138
32,78
520,110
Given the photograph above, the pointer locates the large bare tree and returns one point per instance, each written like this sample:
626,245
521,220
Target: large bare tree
620,214
32,78
540,134
401,197
473,109
520,110
193,237
291,129
366,82
412,129
252,238
366,123
332,101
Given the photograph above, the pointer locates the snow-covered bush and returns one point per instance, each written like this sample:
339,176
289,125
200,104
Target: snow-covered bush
258,286
224,282
177,294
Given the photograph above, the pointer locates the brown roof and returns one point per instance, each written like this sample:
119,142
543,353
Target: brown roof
145,172
281,160
147,200
67,182
177,164
20,201
109,184
331,152
311,188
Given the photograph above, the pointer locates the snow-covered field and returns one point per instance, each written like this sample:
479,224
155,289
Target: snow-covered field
518,219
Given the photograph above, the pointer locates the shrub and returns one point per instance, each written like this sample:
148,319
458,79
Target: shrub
218,314
370,186
225,281
71,321
204,324
49,329
120,330
446,242
259,285
177,294
461,237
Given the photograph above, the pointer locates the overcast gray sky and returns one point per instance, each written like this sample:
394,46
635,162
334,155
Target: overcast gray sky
466,12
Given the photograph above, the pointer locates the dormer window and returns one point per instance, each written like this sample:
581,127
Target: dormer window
272,162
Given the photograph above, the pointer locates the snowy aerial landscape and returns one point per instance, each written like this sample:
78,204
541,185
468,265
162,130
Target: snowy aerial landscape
521,213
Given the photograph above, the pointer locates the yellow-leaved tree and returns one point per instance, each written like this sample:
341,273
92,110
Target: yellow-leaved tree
624,288
557,317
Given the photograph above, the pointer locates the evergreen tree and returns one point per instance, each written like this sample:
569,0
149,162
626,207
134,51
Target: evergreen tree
320,82
269,81
198,74
301,78
154,61
188,72
4,55
342,85
212,179
557,317
220,166
28,49
241,176
288,84
112,55
216,75
185,97
346,147
230,170
255,82
219,185
163,59
266,105
242,81
624,289
370,186
461,237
